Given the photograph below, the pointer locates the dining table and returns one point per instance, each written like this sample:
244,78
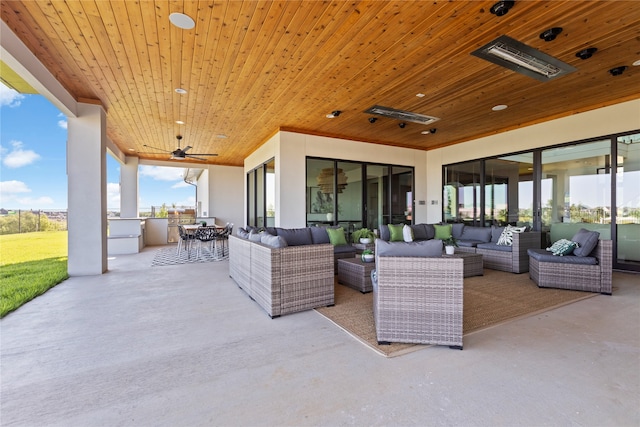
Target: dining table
192,229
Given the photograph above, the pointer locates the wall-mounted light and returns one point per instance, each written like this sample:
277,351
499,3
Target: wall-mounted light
402,125
586,53
372,120
550,34
617,70
502,7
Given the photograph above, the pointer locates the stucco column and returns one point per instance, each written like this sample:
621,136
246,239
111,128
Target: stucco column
129,188
87,182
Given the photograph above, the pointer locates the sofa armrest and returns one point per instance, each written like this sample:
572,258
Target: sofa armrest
604,253
521,243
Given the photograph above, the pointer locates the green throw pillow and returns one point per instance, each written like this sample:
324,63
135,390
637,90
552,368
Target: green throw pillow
336,236
396,233
563,247
442,231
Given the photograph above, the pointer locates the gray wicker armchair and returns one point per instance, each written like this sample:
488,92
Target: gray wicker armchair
418,300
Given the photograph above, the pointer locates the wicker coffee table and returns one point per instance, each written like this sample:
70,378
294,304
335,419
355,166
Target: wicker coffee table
472,263
355,273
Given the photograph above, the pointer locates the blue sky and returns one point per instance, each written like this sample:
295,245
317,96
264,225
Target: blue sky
33,135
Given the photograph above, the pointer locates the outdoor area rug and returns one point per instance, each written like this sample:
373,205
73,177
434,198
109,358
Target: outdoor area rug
489,300
169,256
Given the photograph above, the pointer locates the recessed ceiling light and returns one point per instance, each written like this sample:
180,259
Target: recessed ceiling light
420,95
181,91
180,122
499,107
425,132
181,20
636,63
334,114
132,149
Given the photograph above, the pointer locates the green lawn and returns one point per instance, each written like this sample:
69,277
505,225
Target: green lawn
30,264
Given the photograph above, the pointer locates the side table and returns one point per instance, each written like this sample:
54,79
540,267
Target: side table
355,273
473,265
362,246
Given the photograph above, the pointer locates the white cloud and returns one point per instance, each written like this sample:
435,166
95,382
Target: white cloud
13,187
190,201
62,124
113,195
18,157
180,184
10,196
9,97
160,173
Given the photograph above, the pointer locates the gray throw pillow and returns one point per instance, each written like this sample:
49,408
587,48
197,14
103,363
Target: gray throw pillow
319,235
273,241
255,236
586,240
384,233
457,229
295,236
481,234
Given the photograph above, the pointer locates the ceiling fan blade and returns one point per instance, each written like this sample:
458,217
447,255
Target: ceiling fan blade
191,156
202,154
156,148
188,147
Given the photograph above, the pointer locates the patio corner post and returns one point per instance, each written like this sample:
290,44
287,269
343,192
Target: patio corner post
87,185
129,188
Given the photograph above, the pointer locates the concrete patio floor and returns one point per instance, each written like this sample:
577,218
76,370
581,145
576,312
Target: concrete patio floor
184,346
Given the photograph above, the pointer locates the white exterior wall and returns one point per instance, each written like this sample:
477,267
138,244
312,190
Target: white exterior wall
225,195
129,198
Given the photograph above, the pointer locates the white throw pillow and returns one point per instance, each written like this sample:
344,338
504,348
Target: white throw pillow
407,233
506,238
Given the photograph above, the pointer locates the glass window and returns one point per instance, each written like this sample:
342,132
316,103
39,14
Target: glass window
401,195
461,193
628,201
270,192
377,196
509,190
251,195
349,195
576,184
320,191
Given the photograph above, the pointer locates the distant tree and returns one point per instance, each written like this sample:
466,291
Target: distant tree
164,212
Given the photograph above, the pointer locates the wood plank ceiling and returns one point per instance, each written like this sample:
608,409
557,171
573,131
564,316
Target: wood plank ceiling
251,68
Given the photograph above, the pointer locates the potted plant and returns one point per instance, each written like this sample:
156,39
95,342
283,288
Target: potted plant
367,255
450,243
364,235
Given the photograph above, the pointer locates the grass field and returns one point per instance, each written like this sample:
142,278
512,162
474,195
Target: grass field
30,264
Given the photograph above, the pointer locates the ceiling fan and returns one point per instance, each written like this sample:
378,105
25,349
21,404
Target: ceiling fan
181,153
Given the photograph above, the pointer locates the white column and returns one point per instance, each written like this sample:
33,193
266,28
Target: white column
129,188
87,182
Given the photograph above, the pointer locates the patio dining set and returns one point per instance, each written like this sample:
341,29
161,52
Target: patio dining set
211,238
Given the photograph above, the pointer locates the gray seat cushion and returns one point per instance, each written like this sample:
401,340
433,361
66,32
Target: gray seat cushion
587,242
496,232
469,243
457,229
273,241
543,255
494,247
344,249
425,248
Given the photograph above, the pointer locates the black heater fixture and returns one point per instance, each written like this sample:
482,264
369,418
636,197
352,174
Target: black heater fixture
617,70
502,7
550,34
586,53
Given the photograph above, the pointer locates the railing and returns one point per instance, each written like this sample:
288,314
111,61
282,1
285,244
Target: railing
29,221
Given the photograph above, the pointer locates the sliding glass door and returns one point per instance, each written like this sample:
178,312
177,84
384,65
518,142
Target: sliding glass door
627,219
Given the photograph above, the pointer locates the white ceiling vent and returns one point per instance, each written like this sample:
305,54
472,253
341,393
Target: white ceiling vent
406,116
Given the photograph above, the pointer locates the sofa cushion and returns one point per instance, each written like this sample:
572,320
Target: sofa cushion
543,256
425,248
496,232
457,229
506,238
479,234
419,232
319,235
494,247
407,233
273,241
384,232
336,236
241,232
271,230
442,231
256,236
344,249
395,233
469,243
295,236
586,240
431,231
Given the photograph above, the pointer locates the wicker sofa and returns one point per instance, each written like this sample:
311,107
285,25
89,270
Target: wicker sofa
484,241
590,270
417,298
283,280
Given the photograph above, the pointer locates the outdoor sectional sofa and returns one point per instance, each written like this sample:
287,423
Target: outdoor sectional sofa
286,270
484,241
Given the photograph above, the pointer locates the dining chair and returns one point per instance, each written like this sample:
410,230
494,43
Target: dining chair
223,237
185,241
205,235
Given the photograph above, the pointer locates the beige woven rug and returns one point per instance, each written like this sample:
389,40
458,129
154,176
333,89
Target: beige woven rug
489,300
